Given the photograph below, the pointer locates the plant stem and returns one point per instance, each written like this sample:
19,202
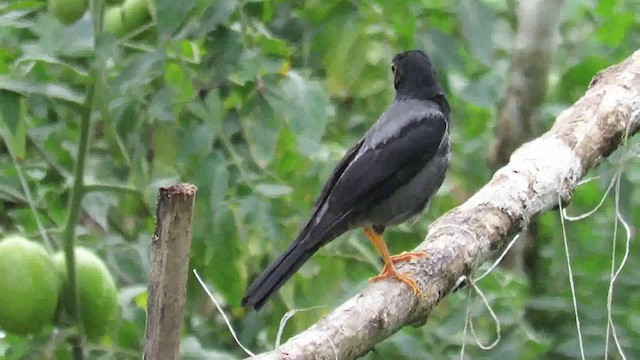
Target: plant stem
114,188
244,24
32,206
75,202
77,192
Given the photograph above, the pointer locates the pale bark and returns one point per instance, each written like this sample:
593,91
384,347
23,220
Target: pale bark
540,175
518,114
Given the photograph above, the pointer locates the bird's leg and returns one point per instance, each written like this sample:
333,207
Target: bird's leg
389,269
406,256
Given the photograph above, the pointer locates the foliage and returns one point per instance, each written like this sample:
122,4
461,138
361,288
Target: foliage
254,102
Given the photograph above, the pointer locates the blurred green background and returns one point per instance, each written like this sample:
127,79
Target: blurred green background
254,102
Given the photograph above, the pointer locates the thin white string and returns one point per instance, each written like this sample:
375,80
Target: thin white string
611,328
469,319
573,289
499,259
335,351
233,333
493,316
588,180
592,211
627,228
610,323
283,322
466,325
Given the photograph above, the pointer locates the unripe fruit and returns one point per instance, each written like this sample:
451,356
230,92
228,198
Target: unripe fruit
97,292
68,11
121,20
29,289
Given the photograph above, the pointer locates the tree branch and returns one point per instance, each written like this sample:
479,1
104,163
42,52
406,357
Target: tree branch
541,174
518,114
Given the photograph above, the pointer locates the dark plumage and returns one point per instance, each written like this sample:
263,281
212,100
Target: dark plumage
388,177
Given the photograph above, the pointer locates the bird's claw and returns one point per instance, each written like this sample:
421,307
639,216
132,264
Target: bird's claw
391,271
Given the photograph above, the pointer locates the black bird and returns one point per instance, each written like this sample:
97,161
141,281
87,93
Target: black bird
388,177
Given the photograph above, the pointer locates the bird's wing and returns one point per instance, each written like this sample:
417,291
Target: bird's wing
381,164
335,176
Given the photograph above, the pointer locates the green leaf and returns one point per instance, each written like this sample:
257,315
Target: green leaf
164,146
448,57
12,125
51,90
614,29
179,79
304,105
576,79
53,61
97,205
249,66
56,39
220,180
224,268
477,21
215,111
273,46
195,140
273,190
483,91
198,110
605,7
127,296
17,16
161,106
138,73
402,15
10,110
261,130
342,74
217,14
191,349
171,15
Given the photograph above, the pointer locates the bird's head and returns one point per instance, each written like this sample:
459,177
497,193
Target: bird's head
414,76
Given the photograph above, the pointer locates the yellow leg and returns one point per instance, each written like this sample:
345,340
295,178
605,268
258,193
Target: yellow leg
389,269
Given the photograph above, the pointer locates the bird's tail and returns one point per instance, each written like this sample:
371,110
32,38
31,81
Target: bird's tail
277,273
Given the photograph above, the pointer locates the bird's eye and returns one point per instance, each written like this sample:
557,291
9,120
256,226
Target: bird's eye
393,68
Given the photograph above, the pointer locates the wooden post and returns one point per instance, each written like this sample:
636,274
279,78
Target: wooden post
169,268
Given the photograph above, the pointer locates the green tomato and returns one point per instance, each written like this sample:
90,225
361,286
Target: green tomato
68,11
113,21
30,290
121,20
97,292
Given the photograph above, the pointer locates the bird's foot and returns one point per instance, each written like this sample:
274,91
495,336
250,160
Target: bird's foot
404,256
390,271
